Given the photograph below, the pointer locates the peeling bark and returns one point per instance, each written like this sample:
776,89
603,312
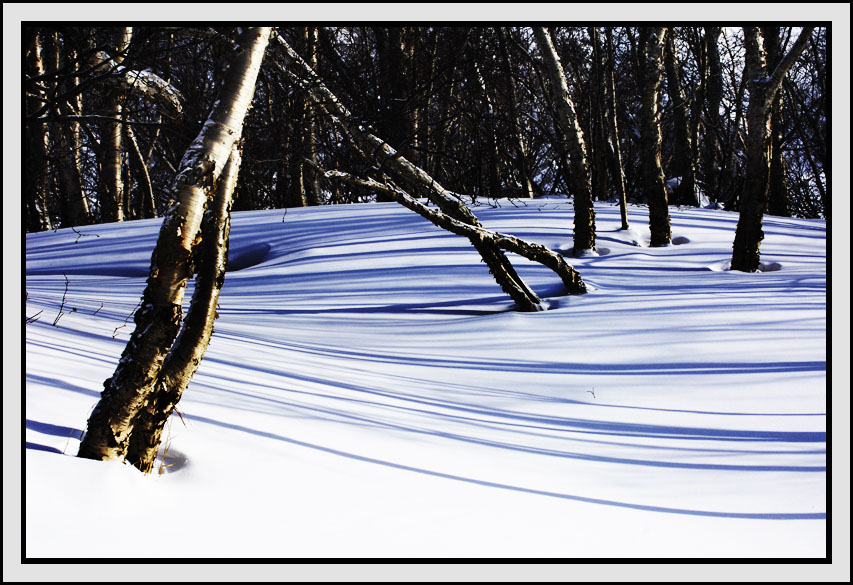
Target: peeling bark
186,354
158,320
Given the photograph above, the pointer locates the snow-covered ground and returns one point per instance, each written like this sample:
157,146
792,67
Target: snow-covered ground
369,392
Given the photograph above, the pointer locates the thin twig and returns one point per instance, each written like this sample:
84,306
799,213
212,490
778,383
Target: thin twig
34,318
115,331
81,234
62,306
98,309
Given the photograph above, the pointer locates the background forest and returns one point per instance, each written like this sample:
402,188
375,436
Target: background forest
469,105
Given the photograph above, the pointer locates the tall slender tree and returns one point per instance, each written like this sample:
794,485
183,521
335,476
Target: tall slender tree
571,144
763,86
614,144
652,41
685,158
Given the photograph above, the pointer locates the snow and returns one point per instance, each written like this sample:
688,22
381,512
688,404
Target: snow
369,392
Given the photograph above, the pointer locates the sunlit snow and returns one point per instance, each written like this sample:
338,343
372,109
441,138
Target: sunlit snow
370,392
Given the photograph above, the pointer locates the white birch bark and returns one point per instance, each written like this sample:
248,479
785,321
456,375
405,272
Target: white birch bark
158,319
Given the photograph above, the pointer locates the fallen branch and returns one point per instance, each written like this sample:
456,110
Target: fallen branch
571,278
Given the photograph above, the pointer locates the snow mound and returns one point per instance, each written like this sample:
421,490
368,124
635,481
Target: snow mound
370,391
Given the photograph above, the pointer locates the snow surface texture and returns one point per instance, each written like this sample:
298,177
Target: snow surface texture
369,392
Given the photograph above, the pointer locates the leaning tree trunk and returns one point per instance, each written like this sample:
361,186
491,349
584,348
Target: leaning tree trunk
384,158
188,350
572,145
650,141
158,320
762,92
571,279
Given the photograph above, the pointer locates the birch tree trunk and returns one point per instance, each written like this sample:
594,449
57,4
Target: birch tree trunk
134,384
651,61
573,147
313,196
186,354
111,192
762,92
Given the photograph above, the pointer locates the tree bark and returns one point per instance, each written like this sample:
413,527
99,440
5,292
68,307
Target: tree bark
37,180
186,354
685,193
598,120
313,195
572,145
67,144
651,57
778,201
111,193
613,142
712,155
493,182
762,93
158,319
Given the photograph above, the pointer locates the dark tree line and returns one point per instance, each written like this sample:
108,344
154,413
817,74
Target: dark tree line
473,106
